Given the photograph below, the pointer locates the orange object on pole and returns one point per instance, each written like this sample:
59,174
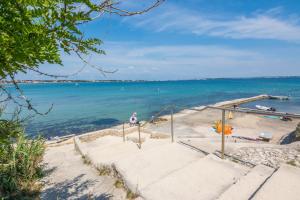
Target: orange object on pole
227,130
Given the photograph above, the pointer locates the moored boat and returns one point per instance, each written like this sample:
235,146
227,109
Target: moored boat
265,108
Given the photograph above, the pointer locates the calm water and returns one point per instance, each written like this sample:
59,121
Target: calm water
86,107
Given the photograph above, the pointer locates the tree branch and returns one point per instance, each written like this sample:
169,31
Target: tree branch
28,102
124,13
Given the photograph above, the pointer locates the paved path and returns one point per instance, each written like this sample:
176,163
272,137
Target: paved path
247,185
69,178
284,184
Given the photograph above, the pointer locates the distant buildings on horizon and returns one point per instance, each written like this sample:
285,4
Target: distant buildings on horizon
108,81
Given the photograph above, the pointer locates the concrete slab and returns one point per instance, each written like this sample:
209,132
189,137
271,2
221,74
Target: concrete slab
149,166
204,144
108,149
102,142
284,184
205,179
247,185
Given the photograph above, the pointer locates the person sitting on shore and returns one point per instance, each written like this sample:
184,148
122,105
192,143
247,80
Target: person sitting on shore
152,120
133,119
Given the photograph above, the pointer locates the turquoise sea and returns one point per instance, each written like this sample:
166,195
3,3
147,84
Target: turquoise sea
82,107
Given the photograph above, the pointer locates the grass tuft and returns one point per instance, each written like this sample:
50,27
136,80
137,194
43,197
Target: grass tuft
104,170
292,162
119,184
86,160
131,195
20,167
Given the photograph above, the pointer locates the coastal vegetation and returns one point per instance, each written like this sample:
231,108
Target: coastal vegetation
20,161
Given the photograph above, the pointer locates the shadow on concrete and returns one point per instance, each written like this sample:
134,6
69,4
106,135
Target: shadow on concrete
47,170
76,188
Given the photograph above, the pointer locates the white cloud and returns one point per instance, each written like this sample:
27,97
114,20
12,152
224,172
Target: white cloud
135,61
160,62
260,25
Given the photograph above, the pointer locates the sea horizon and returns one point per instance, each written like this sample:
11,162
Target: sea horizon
28,81
90,106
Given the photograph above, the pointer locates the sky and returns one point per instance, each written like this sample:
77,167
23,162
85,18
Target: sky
193,39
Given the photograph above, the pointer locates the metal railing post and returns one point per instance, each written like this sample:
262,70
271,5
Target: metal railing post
123,131
223,133
172,125
139,130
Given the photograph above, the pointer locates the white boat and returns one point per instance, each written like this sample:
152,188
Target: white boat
265,108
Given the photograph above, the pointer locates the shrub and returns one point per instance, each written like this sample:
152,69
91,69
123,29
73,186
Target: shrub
20,162
9,130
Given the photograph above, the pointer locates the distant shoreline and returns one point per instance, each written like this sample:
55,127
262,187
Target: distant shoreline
135,81
71,81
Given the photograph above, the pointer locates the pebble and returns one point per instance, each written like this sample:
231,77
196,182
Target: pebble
269,156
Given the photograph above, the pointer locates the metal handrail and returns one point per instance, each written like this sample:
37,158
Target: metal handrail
172,107
158,113
152,118
255,111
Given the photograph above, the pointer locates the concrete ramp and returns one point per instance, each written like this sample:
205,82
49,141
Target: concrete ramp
205,179
284,184
247,185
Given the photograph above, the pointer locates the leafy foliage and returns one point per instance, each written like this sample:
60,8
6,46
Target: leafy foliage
9,129
33,32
